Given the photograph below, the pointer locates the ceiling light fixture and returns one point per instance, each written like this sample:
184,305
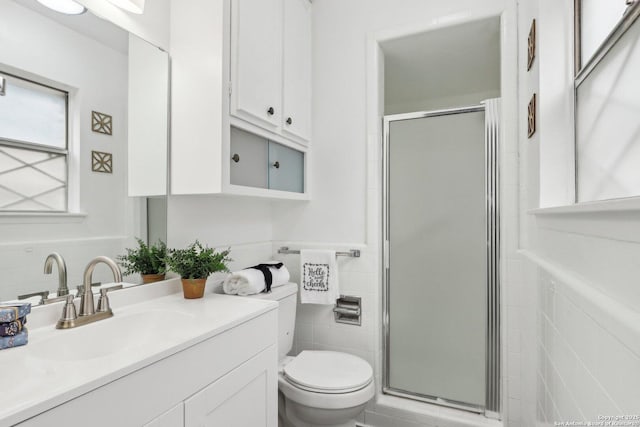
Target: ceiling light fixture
133,6
68,7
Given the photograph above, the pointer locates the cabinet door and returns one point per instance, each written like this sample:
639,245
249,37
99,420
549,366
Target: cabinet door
256,61
286,168
247,396
249,159
174,417
296,97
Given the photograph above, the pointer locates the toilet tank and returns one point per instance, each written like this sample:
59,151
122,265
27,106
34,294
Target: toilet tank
286,297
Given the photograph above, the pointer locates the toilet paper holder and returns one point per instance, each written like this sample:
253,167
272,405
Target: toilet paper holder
348,310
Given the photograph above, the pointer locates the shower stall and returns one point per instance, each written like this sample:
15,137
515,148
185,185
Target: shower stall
441,257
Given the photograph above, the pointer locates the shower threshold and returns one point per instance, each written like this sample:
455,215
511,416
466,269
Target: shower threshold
476,409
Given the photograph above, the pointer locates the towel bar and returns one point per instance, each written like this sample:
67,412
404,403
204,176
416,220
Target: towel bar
354,253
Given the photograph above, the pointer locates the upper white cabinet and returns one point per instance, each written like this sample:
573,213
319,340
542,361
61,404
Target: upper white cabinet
271,65
296,93
256,61
243,65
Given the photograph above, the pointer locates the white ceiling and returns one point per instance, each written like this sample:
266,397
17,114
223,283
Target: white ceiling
447,63
87,24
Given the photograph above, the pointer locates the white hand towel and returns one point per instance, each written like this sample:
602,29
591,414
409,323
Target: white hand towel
251,281
319,277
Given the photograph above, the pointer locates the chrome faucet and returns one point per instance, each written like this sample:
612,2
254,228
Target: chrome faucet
86,300
88,313
62,271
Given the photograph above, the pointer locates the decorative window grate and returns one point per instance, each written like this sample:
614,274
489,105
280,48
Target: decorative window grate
33,147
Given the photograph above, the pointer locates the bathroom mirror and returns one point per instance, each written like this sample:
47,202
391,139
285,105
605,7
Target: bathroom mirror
81,129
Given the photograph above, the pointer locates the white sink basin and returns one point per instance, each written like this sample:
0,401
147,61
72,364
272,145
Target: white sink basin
120,333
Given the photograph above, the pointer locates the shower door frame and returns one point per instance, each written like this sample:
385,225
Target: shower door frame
492,191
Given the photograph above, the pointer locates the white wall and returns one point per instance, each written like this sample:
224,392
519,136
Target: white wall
242,224
584,267
555,98
430,104
152,25
218,220
521,297
96,77
582,264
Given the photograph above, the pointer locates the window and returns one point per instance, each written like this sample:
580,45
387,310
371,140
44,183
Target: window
33,147
595,19
607,103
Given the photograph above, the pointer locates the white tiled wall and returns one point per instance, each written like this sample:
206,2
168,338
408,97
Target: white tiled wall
316,328
586,367
580,347
22,264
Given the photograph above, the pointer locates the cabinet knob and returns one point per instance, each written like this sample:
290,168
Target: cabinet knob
235,158
289,121
276,165
271,111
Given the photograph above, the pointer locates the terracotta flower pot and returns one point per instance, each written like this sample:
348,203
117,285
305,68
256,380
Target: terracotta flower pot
150,278
193,288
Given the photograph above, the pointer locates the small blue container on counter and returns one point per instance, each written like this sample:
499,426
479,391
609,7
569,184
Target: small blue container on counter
21,338
14,311
12,319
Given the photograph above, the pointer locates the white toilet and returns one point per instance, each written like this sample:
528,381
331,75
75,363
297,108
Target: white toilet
316,388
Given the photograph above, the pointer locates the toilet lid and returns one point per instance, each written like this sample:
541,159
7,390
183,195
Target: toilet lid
328,371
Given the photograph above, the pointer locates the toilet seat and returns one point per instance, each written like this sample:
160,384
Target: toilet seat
328,372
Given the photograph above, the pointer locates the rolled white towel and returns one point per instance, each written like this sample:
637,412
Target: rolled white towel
251,281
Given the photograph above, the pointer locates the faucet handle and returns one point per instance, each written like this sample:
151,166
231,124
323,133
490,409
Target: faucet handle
80,288
69,309
44,295
103,301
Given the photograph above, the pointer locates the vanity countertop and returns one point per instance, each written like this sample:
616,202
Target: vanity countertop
59,365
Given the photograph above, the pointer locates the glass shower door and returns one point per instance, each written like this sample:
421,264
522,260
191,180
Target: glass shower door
436,288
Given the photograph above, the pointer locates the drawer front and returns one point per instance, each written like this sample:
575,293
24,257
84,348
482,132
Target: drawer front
247,396
249,159
286,168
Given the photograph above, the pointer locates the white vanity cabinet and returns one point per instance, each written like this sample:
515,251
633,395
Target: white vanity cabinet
243,64
172,418
228,379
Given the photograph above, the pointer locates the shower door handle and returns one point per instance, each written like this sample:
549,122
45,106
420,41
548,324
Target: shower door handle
386,254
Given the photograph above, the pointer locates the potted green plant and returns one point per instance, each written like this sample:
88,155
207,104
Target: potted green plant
194,264
150,261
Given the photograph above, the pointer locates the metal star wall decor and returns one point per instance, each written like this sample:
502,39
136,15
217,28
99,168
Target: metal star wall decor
101,162
531,45
531,110
101,123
